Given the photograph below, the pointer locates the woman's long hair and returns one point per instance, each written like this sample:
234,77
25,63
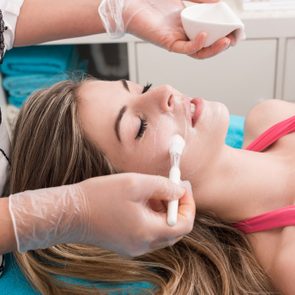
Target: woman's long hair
50,149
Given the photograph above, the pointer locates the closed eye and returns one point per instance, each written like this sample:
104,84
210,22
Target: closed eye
146,87
142,128
143,122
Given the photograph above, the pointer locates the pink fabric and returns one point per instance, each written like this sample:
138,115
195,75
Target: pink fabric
270,220
280,217
272,134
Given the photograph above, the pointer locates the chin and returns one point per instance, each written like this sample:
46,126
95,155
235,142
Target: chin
216,123
224,112
209,138
223,116
216,113
221,108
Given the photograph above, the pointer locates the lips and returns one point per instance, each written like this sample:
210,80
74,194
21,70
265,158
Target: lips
196,109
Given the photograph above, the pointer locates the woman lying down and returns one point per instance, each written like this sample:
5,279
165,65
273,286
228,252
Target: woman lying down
243,240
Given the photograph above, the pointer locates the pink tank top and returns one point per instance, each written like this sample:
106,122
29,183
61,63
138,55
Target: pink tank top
280,217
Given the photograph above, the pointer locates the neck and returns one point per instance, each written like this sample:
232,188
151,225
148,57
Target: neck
240,184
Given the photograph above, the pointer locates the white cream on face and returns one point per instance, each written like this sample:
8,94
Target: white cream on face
176,149
100,104
178,99
179,102
161,136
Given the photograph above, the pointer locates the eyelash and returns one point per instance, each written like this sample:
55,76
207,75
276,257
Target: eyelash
146,87
143,122
142,128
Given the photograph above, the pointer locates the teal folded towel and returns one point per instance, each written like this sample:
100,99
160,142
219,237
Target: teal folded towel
13,281
20,87
26,84
235,133
45,66
16,101
39,60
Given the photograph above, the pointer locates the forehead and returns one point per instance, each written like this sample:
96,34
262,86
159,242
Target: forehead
99,103
104,99
107,91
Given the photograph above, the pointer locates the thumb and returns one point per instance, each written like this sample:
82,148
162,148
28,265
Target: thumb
186,216
187,207
165,190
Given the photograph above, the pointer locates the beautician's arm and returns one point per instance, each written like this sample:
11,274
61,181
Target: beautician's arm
123,213
7,238
47,20
157,22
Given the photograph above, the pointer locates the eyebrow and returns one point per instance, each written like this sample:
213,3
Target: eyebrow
124,108
118,121
121,113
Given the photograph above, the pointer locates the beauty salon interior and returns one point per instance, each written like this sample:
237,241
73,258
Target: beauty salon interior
134,124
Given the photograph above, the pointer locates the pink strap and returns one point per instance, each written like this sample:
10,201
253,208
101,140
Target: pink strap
277,218
273,219
272,134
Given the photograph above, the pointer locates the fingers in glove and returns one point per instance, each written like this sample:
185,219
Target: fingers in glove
212,50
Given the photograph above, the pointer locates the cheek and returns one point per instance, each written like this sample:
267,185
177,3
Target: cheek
205,143
152,154
191,156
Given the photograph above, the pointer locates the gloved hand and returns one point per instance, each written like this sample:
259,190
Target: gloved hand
124,213
158,21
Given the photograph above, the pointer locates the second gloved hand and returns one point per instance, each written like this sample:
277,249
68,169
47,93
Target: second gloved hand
123,213
157,22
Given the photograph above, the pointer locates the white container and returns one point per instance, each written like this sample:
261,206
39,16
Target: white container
216,19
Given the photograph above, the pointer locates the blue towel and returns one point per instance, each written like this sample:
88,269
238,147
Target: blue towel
20,87
17,101
13,281
31,68
39,60
235,133
24,85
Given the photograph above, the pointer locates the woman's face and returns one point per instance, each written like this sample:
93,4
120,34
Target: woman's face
133,126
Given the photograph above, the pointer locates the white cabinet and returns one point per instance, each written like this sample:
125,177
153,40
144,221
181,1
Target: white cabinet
289,77
239,77
259,68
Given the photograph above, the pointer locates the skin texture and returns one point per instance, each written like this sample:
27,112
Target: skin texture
278,260
235,184
167,112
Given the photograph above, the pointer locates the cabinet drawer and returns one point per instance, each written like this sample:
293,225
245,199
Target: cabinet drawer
239,77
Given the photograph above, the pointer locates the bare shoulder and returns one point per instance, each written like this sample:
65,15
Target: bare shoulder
283,266
264,115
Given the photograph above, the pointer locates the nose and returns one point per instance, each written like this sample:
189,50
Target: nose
166,98
160,99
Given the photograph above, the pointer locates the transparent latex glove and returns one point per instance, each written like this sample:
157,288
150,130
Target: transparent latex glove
158,21
124,213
